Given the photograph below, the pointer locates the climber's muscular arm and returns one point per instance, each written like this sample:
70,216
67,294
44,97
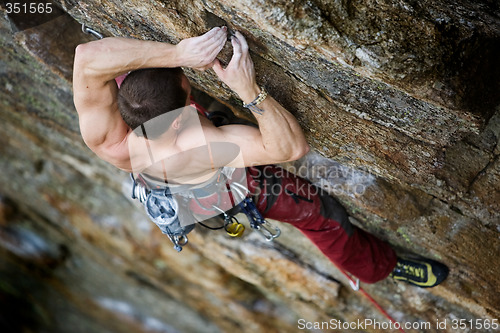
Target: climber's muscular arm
279,137
98,63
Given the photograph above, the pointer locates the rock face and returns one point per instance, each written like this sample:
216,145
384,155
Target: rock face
399,100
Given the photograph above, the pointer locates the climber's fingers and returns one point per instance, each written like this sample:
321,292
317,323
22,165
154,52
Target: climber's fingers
236,52
239,74
210,36
214,44
200,52
217,46
235,59
243,42
214,38
246,60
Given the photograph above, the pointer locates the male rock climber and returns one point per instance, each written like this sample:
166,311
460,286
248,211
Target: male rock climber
191,150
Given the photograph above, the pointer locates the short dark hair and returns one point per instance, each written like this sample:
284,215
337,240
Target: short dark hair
148,93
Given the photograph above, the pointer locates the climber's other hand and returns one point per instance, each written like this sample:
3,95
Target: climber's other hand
239,74
200,52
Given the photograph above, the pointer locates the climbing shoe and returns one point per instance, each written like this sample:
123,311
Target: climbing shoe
423,273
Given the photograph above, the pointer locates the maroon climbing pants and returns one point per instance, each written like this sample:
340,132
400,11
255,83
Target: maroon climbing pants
284,197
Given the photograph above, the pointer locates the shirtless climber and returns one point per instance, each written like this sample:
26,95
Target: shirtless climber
123,127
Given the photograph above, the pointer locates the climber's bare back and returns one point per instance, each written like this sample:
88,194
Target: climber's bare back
191,159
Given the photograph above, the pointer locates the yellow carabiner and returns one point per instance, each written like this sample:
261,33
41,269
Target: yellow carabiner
234,229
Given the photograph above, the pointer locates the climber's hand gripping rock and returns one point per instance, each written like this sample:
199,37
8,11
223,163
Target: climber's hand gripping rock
200,52
239,74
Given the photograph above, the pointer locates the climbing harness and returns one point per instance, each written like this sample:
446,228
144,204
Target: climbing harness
163,209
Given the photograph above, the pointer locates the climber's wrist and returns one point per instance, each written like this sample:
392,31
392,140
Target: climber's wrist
178,56
249,94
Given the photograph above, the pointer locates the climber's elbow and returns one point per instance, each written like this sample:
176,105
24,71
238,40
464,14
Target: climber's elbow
296,152
83,54
305,149
87,58
300,151
83,59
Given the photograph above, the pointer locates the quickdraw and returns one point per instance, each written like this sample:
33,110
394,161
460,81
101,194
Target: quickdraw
257,222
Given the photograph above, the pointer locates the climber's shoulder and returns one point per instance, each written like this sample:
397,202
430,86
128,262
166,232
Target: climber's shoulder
101,125
112,148
250,142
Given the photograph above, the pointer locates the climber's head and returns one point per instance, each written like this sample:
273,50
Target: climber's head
148,93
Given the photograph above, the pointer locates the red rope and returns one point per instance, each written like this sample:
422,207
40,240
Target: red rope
373,301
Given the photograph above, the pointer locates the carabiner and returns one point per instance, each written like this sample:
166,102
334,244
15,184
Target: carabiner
265,230
240,190
91,31
179,241
139,190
